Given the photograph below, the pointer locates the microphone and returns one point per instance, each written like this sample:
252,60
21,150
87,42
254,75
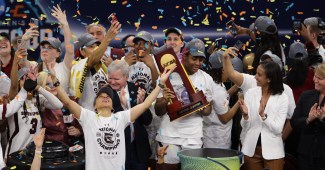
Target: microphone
67,117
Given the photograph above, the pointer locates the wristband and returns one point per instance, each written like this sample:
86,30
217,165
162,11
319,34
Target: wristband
38,151
56,84
264,117
161,85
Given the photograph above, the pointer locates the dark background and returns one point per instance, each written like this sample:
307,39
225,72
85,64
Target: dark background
147,13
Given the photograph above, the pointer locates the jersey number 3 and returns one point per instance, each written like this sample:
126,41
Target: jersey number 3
34,126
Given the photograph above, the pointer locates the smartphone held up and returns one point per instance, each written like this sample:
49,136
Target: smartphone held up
232,27
33,22
112,18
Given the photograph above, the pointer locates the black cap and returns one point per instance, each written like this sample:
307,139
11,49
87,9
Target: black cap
106,89
5,35
174,30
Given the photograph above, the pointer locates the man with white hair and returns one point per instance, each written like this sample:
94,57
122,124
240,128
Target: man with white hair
136,137
310,32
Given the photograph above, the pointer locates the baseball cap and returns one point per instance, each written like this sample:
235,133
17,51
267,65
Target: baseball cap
298,48
87,40
4,84
173,30
273,57
106,89
196,48
216,61
55,42
144,35
237,64
262,23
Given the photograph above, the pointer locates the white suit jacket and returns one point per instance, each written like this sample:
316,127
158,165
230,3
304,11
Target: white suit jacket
270,129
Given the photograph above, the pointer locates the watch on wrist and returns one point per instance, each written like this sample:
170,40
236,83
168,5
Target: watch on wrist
56,84
264,117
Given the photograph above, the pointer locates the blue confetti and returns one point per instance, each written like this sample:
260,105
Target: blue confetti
161,11
289,6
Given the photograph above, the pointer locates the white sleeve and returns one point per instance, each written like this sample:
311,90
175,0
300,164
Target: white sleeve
248,82
14,104
291,101
125,116
206,85
220,99
48,100
85,116
275,121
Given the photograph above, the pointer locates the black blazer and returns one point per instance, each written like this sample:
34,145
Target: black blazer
312,136
141,140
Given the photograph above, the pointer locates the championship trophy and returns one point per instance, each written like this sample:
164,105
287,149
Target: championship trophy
166,58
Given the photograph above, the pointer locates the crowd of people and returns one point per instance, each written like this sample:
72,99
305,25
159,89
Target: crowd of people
118,98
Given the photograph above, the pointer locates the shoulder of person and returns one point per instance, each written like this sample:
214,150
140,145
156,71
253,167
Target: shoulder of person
309,93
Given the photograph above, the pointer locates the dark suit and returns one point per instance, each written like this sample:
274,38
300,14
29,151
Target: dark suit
140,146
311,148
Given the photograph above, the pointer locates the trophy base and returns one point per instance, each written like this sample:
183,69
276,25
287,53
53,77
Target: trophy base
176,110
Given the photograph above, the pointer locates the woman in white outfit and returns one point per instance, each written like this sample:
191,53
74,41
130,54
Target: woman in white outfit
264,113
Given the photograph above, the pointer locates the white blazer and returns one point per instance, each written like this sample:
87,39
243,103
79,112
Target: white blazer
270,129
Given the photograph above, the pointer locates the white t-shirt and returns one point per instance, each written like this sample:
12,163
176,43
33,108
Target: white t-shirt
104,139
63,75
140,74
91,87
188,127
249,81
215,133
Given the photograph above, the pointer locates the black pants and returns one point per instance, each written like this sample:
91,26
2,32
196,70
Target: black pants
308,163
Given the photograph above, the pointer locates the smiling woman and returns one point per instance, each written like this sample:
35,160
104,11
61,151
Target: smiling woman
264,113
308,119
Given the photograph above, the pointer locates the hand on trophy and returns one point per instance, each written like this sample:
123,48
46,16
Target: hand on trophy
168,94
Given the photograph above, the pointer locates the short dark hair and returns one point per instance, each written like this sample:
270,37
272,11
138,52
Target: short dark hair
125,38
273,72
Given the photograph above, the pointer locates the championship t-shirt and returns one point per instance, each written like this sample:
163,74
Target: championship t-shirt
104,139
188,127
